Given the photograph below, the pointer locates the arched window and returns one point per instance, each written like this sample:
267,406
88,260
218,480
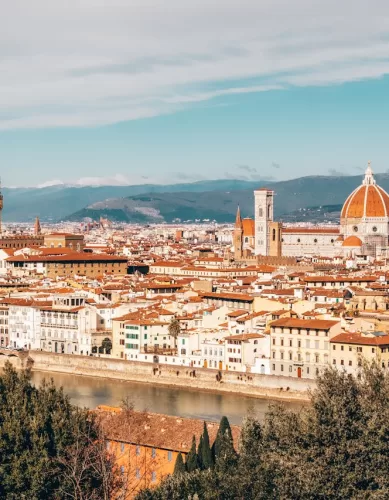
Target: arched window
268,211
260,212
274,235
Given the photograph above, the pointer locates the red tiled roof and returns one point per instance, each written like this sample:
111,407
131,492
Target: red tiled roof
316,324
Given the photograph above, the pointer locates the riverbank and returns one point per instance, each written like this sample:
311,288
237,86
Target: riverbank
247,384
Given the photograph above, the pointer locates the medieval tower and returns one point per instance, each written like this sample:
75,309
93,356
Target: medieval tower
264,207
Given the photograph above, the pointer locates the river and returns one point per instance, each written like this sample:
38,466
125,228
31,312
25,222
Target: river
90,392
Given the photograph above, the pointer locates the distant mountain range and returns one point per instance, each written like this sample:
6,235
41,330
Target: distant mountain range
320,196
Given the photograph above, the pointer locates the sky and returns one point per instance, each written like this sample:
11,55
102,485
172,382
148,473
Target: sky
167,91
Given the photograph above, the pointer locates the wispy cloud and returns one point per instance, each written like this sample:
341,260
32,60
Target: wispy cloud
66,64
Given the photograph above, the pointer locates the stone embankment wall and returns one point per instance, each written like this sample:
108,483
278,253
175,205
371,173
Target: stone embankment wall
267,386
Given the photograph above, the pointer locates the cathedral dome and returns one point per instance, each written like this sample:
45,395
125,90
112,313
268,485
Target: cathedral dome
352,241
368,200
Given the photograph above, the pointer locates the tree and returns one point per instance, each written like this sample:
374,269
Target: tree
174,329
205,456
106,345
179,467
224,429
192,461
49,448
200,453
335,447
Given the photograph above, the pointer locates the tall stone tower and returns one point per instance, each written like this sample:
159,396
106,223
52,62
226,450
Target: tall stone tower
37,227
264,208
1,209
238,236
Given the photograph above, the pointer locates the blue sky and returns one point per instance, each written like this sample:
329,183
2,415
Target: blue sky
169,91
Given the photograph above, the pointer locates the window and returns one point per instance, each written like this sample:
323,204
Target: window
334,347
290,343
122,447
316,344
137,473
290,356
307,344
107,445
359,349
290,369
373,350
334,361
153,476
282,341
137,451
122,469
350,363
342,348
169,456
282,355
282,368
274,341
273,367
153,453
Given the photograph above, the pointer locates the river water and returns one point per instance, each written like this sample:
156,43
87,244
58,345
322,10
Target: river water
90,392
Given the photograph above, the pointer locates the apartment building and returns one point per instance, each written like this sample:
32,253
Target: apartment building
301,347
67,265
349,350
4,326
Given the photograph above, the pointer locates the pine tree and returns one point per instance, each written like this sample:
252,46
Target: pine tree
206,457
179,467
192,462
224,430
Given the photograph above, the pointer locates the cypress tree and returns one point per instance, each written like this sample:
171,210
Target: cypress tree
200,453
192,461
179,467
223,432
206,457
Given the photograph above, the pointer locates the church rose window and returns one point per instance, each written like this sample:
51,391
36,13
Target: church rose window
375,229
355,229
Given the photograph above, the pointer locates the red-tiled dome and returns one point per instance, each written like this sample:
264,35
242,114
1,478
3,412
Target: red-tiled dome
368,200
352,241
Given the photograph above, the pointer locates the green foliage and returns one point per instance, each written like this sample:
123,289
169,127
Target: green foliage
205,456
336,447
192,460
224,429
179,467
174,328
46,443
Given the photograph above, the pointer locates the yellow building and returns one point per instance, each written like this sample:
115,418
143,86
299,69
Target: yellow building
67,265
65,240
349,350
146,445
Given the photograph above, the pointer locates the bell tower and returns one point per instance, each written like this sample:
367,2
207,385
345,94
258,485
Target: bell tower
264,206
1,209
238,236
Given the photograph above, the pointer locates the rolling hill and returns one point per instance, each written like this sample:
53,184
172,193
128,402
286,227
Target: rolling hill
216,199
308,198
